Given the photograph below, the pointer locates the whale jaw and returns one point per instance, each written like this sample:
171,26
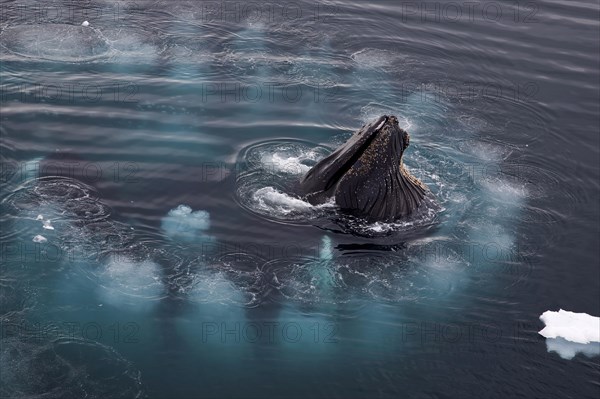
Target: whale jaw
366,176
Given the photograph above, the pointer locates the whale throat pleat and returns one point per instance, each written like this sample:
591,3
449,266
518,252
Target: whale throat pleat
384,196
366,176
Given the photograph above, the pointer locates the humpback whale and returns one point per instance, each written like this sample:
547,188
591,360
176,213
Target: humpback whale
366,175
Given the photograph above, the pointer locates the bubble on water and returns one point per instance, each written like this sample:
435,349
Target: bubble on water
504,190
185,224
128,282
371,58
63,206
486,152
326,250
216,288
57,42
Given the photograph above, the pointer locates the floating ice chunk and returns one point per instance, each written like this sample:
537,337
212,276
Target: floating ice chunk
85,23
39,239
575,327
48,225
181,222
567,349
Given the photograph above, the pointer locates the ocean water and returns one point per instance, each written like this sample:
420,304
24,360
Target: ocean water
153,243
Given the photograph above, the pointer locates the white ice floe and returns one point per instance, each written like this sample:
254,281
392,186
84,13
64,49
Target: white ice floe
575,327
39,239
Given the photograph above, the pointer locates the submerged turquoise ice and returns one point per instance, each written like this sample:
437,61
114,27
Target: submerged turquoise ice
154,245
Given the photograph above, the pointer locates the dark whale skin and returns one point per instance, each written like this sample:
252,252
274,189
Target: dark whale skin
366,176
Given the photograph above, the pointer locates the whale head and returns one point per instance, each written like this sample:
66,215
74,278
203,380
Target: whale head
366,175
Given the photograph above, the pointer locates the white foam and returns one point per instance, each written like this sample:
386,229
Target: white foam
269,198
293,165
47,224
575,327
182,222
382,227
385,227
374,58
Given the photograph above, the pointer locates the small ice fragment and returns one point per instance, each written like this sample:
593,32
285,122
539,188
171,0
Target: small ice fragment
85,23
48,225
39,217
39,239
575,327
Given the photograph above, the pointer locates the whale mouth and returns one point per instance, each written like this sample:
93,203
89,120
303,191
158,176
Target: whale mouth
320,182
365,175
367,135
